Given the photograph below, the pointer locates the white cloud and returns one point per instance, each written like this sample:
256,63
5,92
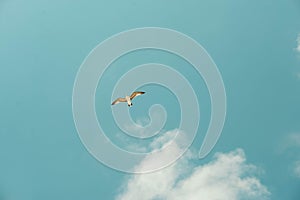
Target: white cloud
298,43
145,127
164,139
169,146
292,144
227,176
298,50
167,137
297,169
295,141
290,141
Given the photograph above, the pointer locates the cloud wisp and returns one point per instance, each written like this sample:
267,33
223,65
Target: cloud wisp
297,49
226,176
292,144
297,169
298,43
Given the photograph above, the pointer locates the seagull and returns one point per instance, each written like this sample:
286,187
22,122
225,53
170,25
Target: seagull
127,98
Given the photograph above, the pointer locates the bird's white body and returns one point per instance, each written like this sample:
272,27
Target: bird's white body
128,100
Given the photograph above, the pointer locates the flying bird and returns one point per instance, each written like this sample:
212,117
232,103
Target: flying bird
127,98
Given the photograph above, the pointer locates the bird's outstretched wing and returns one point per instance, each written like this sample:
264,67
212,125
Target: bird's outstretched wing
118,100
134,94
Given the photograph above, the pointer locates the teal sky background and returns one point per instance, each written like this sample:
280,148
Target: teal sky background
43,43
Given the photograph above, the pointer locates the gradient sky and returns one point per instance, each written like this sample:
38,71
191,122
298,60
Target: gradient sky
43,43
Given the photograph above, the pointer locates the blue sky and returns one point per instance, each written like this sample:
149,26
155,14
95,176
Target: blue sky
254,44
